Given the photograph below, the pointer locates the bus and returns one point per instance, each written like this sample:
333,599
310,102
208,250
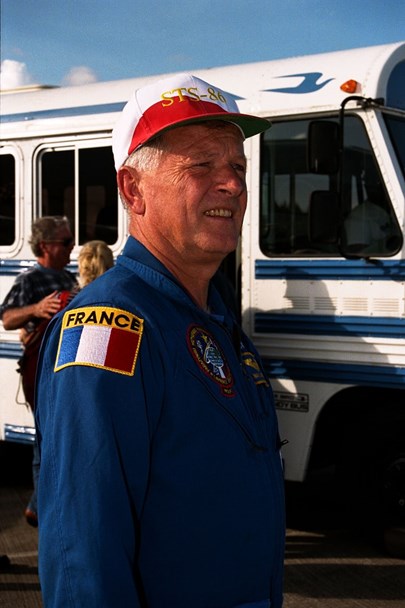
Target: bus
320,270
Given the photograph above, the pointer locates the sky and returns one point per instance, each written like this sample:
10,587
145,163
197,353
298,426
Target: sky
73,42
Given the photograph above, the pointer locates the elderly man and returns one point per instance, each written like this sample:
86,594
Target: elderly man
161,483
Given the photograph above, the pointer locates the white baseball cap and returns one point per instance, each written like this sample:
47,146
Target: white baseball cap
172,102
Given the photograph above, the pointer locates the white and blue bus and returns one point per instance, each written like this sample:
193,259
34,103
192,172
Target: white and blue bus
320,270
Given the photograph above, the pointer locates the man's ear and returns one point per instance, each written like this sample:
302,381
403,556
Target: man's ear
127,180
43,247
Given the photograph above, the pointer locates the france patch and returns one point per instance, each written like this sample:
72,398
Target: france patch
97,336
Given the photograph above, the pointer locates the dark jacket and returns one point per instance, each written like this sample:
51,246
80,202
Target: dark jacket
161,483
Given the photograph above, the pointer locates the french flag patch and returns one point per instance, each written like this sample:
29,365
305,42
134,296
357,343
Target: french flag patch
97,336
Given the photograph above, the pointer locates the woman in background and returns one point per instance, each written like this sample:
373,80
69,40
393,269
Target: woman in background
94,259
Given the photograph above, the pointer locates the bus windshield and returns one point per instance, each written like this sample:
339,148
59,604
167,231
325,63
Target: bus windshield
303,213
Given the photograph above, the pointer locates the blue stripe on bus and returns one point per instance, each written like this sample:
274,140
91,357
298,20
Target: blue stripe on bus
336,269
294,270
19,434
102,108
386,376
15,267
10,350
329,325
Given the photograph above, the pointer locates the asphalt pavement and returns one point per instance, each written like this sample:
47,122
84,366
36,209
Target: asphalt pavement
327,564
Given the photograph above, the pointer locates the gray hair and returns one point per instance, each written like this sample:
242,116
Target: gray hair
46,229
147,157
144,159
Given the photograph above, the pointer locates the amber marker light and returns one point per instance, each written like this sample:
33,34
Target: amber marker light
350,86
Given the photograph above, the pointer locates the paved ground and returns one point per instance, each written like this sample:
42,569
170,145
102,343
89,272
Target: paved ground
331,569
19,584
326,566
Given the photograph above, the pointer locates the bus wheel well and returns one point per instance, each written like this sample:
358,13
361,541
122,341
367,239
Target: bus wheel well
360,439
350,415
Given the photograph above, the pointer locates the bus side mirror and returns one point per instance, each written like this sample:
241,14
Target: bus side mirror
323,147
324,217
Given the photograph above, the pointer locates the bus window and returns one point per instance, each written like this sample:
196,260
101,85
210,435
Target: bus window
7,200
396,129
81,184
367,225
57,184
98,195
286,187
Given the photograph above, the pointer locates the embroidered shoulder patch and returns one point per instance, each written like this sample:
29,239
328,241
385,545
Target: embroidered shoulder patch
252,367
97,336
209,357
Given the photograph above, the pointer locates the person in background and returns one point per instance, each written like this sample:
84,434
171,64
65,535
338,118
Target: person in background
161,482
37,295
369,228
95,257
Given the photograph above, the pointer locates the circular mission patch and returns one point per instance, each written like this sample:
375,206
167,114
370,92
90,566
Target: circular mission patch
210,358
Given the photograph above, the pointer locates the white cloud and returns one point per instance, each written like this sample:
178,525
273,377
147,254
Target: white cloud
14,74
79,75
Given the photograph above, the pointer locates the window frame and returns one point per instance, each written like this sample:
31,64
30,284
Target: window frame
75,145
269,206
15,152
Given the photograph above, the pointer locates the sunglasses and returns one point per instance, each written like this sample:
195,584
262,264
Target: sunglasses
64,242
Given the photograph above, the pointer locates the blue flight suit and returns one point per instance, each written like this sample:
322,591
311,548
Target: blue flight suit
161,483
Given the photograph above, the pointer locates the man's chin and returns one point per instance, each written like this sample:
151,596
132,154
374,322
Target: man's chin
221,250
220,245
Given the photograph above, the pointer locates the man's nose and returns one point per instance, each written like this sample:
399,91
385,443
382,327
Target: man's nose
229,180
